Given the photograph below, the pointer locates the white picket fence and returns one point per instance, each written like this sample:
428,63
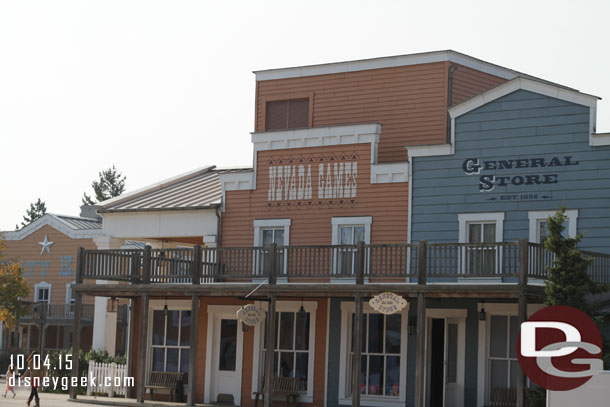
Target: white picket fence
108,378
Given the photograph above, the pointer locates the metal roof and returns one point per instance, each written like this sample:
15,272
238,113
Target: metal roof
197,189
78,222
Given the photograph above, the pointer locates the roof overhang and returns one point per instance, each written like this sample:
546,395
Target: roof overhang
56,223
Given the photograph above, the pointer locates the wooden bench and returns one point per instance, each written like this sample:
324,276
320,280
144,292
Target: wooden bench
285,386
164,380
501,397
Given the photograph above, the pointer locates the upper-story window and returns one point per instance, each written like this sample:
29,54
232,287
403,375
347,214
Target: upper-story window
538,224
287,114
42,292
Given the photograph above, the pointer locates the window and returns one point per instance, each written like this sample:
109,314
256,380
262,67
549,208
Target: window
170,340
538,224
349,231
287,114
502,361
380,366
291,346
478,229
42,292
267,231
383,372
70,299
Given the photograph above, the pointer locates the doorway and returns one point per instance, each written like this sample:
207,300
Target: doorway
445,358
225,348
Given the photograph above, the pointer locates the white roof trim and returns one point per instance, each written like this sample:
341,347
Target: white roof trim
56,223
429,150
156,186
388,62
599,139
525,84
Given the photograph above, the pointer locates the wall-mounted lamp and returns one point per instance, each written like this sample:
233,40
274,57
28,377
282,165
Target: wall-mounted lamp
112,305
412,325
165,310
302,311
482,313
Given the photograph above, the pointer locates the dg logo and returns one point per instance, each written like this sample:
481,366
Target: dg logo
560,348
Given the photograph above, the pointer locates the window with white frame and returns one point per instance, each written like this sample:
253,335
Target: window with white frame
42,292
70,298
170,340
502,363
266,232
291,346
538,224
380,366
479,230
349,231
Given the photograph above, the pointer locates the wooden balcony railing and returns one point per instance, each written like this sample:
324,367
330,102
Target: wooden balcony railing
44,311
505,262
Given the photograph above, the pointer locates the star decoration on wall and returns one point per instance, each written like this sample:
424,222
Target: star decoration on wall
46,245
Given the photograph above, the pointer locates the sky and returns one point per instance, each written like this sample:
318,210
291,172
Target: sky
158,88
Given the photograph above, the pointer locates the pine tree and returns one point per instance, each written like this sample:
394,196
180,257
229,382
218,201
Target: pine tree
37,210
568,282
111,183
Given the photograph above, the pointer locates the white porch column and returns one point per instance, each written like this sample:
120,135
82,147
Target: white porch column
104,323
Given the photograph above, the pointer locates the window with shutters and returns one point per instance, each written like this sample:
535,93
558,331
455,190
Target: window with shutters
287,114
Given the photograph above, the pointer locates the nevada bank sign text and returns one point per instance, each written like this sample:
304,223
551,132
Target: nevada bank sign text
487,182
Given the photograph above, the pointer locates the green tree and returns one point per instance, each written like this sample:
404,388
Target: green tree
12,286
111,183
568,282
37,210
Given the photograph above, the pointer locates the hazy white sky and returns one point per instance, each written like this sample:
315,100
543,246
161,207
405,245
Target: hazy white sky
162,87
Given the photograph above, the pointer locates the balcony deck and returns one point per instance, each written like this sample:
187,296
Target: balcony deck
457,267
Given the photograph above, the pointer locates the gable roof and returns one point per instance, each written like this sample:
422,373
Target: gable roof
75,227
197,189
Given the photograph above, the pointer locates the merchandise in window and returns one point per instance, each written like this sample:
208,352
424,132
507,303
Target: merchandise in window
380,366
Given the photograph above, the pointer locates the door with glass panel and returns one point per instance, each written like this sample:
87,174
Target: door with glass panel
226,358
171,332
481,258
269,236
346,257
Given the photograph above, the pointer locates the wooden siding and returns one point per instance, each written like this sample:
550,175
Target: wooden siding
521,125
410,101
386,203
28,250
468,82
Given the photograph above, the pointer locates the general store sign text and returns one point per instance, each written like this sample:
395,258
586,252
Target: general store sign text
487,182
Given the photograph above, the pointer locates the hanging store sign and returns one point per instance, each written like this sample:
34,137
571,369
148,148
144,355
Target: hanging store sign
313,180
488,182
250,315
387,303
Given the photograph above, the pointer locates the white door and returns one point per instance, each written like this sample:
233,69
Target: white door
454,352
226,357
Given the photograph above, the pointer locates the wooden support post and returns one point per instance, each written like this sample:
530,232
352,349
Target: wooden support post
146,265
197,266
270,330
522,309
42,337
420,340
142,352
78,304
357,356
192,379
132,346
